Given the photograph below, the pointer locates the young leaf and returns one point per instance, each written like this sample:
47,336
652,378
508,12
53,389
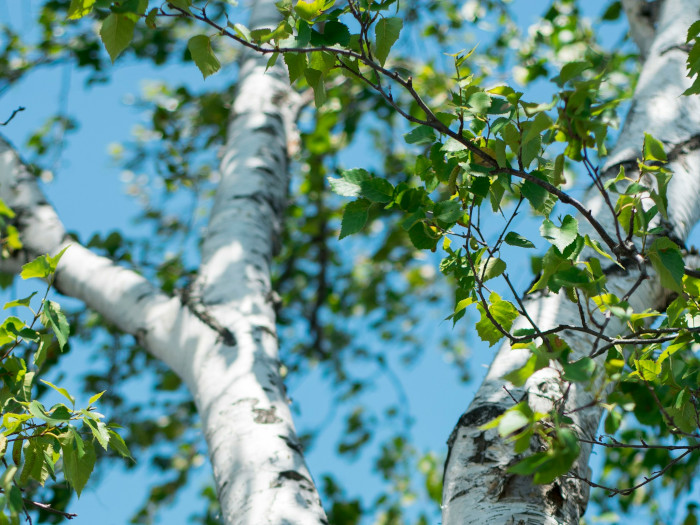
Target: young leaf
20,302
386,33
203,55
310,10
117,32
653,149
79,8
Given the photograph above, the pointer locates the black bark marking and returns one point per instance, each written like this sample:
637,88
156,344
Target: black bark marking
266,416
481,444
293,444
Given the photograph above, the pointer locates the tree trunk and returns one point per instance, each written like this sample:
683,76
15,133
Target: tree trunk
219,335
477,487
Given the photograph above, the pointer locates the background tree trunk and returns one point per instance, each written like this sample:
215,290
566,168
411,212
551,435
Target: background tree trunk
219,335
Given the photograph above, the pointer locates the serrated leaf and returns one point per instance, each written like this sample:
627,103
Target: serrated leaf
448,211
354,217
117,32
296,65
503,312
377,190
562,236
386,33
515,239
79,8
78,460
53,317
203,55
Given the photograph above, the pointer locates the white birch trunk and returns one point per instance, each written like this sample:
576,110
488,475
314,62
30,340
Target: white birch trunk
477,487
220,334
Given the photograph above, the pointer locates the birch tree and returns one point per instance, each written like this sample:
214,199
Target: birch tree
607,326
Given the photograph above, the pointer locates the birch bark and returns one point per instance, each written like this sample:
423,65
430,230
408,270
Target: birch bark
219,334
477,487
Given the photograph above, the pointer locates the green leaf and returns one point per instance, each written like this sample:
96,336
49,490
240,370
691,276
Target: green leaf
386,33
492,267
315,79
309,11
422,237
519,376
182,4
563,236
20,302
377,190
653,149
420,135
515,239
53,317
79,8
354,217
667,261
117,443
335,32
503,312
350,185
448,212
99,430
571,71
117,32
536,126
78,460
580,371
203,55
296,65
6,210
95,397
516,418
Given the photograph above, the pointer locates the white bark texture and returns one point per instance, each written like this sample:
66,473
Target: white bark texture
477,488
219,335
